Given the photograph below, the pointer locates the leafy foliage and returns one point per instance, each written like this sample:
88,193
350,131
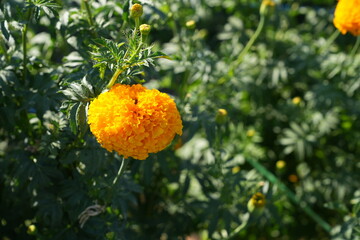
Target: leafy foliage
291,129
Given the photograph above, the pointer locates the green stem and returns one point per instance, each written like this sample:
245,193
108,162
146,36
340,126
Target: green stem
122,69
302,204
24,51
123,165
114,78
237,230
136,52
330,40
137,24
24,40
248,45
88,11
356,47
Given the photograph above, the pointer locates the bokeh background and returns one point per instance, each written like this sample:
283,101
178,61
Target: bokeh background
282,120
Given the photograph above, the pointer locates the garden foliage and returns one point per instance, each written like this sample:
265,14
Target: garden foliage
269,97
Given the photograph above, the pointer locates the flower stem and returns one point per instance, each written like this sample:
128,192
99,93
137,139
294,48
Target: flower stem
248,45
114,78
237,230
136,52
330,40
24,40
123,165
356,47
302,204
88,11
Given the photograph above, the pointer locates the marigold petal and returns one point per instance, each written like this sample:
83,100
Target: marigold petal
347,16
134,121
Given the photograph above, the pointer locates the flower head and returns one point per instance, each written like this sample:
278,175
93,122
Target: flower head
296,100
256,202
134,121
221,116
347,16
145,29
136,10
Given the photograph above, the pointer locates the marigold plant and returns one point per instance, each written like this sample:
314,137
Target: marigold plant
347,16
134,121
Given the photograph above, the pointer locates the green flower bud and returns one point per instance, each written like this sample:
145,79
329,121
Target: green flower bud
145,29
136,10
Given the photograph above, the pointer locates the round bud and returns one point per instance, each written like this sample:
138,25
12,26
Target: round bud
264,8
190,24
145,29
296,100
136,10
31,229
221,116
280,164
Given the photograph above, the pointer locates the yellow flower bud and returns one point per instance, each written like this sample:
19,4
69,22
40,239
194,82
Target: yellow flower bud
145,29
296,100
280,164
221,116
250,133
190,24
136,10
256,202
31,229
265,4
235,169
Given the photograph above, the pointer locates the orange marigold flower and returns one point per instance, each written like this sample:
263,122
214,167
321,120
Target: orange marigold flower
347,16
134,121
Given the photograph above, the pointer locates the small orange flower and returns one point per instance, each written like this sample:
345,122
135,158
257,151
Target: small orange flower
134,121
347,16
293,178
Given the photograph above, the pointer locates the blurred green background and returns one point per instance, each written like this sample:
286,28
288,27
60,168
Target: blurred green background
290,126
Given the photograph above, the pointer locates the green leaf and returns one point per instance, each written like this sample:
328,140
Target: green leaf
72,118
5,29
81,120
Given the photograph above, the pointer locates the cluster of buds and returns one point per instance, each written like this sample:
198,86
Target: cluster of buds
136,11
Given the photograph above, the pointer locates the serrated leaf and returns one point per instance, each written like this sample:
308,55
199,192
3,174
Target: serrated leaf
70,94
81,92
88,87
81,120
